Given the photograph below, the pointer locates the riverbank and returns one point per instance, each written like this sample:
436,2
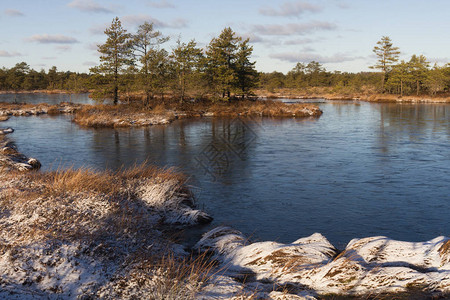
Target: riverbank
44,92
88,234
85,233
329,95
311,267
128,115
137,115
18,109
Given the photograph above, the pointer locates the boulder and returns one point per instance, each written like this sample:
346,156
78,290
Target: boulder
368,266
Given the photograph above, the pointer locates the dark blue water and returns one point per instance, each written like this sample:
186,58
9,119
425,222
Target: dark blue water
35,98
359,170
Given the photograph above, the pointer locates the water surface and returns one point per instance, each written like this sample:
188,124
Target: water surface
36,98
361,169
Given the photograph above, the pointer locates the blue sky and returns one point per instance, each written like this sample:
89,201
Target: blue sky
340,34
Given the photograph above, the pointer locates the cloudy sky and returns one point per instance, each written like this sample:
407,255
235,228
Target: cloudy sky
338,33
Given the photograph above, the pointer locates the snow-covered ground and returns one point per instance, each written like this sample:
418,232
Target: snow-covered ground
80,233
312,266
85,234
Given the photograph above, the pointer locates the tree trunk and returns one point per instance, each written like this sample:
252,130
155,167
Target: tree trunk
401,88
116,95
418,87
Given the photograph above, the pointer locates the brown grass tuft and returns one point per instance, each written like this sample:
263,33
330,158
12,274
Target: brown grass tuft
164,277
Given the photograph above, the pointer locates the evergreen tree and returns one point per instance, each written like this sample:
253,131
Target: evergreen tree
159,70
247,76
144,42
400,75
436,79
228,64
115,55
387,55
419,69
186,63
16,76
221,59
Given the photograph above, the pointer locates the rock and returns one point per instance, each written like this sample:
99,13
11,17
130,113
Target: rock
174,203
6,131
369,266
11,159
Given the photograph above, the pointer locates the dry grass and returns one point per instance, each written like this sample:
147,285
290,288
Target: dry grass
61,182
101,214
123,115
162,277
135,115
364,94
24,109
78,204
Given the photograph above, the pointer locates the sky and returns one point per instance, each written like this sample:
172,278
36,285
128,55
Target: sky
340,34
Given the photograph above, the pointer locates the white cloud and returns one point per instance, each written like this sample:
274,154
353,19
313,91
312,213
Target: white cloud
4,53
298,41
161,4
291,9
92,46
90,63
134,20
293,28
99,28
254,39
63,48
89,6
13,13
52,39
294,57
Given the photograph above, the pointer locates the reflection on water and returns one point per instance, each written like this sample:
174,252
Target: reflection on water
359,170
46,98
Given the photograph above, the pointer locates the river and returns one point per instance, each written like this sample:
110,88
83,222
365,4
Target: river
361,169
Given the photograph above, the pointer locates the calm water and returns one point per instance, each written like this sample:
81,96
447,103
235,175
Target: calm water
359,170
46,98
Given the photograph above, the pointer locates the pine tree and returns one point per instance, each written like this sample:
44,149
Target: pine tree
186,63
387,55
436,79
115,55
228,64
221,57
144,43
419,69
247,76
401,75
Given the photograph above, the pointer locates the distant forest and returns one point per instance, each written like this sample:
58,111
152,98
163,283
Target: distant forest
131,63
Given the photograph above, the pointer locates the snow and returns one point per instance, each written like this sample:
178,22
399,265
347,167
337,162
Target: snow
312,265
79,243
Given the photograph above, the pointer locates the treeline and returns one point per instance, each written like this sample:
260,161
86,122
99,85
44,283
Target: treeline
138,62
222,70
23,78
414,77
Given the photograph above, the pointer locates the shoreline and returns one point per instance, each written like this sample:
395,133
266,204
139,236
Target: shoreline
44,92
128,115
369,97
73,218
79,233
291,94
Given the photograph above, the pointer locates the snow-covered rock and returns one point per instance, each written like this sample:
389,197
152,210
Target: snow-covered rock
375,265
11,159
6,131
174,202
